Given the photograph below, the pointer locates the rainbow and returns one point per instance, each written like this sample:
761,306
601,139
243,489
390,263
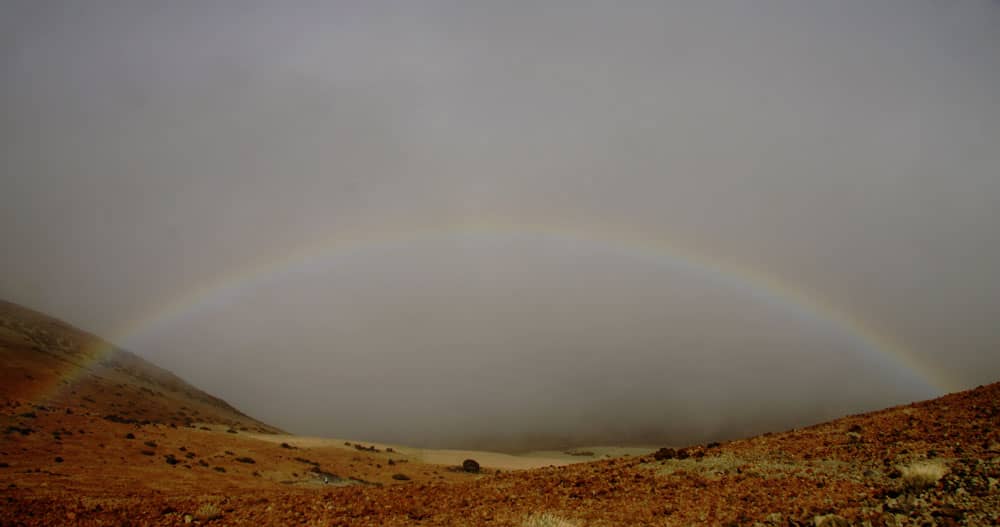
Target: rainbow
765,286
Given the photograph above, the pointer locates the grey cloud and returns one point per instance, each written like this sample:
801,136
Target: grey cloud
846,149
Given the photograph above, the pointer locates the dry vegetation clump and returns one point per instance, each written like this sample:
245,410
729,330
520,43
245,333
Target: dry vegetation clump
922,474
546,519
207,511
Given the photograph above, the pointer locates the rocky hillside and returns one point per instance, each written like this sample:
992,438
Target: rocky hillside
47,360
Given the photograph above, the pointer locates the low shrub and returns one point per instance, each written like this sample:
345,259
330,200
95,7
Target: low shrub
922,474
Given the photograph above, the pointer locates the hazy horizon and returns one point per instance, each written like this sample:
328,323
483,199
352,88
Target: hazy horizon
519,224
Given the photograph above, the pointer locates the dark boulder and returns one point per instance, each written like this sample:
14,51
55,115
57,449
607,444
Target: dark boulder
470,465
664,453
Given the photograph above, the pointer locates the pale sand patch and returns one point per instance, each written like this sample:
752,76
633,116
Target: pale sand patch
450,457
492,459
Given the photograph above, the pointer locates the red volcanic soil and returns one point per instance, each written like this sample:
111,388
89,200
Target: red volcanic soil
126,443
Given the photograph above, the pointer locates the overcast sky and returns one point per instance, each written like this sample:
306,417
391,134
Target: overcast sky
848,150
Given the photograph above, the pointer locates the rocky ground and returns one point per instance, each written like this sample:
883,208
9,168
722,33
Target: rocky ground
930,463
97,458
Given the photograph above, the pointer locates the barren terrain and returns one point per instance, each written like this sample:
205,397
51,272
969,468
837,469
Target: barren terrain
110,439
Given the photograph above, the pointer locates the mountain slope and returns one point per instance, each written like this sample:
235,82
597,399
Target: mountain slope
49,361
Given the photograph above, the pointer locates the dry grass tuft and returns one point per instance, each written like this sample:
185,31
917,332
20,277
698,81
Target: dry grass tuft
923,474
546,519
208,511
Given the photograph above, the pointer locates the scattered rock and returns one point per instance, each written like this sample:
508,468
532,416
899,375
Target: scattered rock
122,420
19,430
401,477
